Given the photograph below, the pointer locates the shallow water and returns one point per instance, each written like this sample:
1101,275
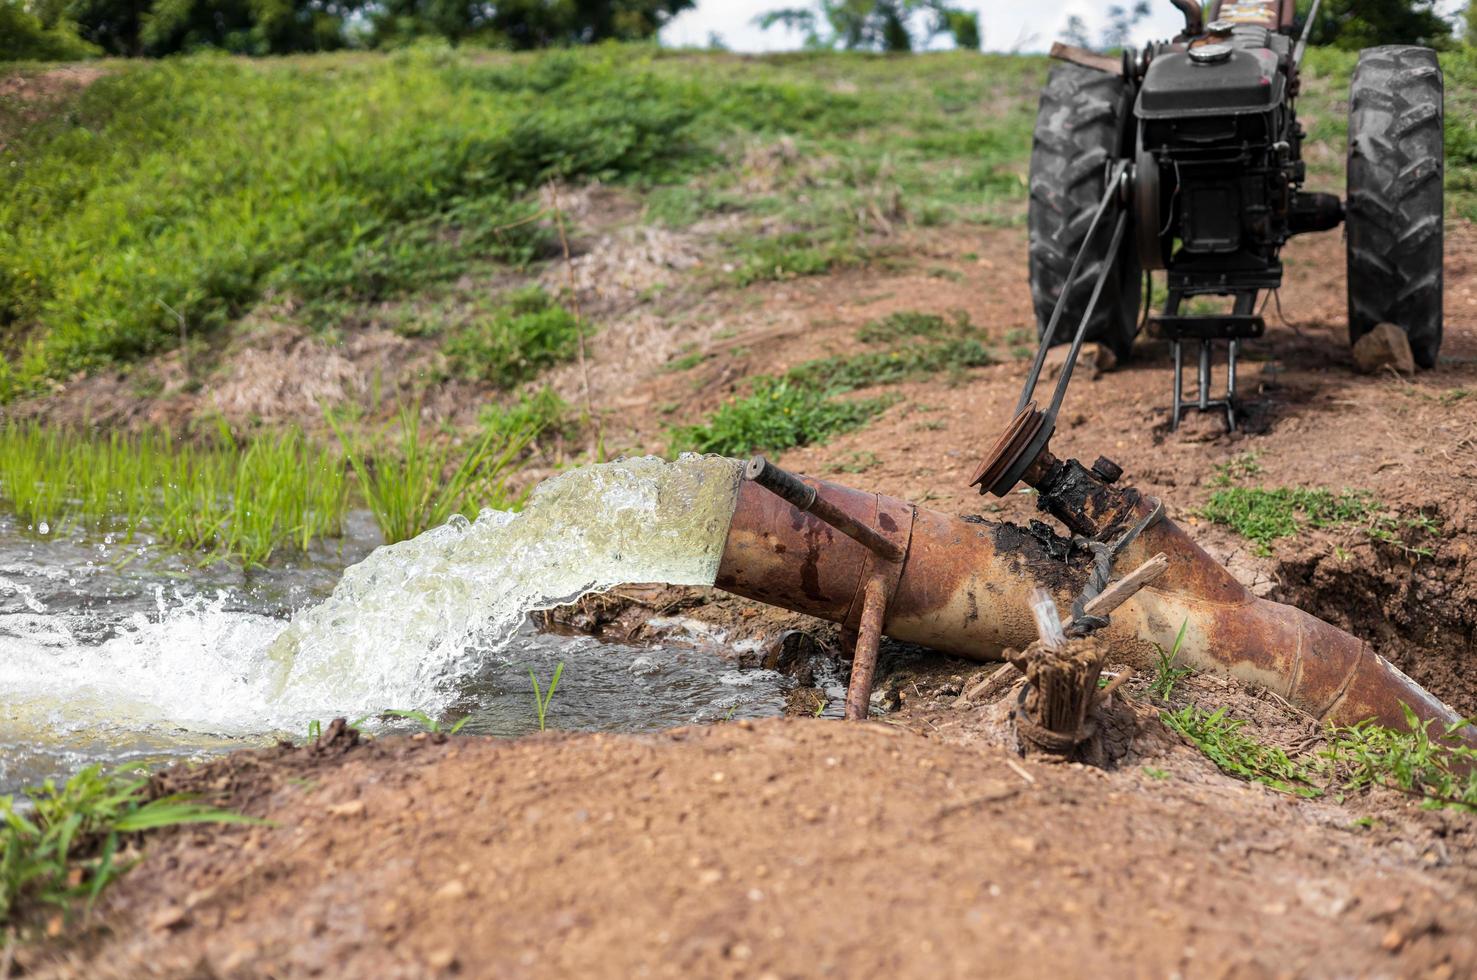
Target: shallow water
119,654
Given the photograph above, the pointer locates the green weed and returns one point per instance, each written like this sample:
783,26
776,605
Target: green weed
1265,515
857,462
427,723
541,699
780,414
909,325
524,334
918,361
65,848
1166,674
1237,469
1221,740
539,414
1441,769
791,255
685,362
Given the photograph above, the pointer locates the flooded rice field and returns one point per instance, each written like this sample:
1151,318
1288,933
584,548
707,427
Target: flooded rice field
127,654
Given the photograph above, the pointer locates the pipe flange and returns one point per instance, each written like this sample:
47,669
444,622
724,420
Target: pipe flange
1013,453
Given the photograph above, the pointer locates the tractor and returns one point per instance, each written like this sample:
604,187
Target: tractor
1186,158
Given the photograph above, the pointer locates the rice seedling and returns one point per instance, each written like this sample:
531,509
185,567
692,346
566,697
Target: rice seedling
422,485
65,846
541,699
230,501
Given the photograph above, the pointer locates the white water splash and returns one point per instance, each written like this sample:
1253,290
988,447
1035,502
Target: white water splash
400,630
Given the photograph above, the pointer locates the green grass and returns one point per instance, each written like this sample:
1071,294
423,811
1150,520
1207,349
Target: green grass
65,849
909,324
779,415
421,484
802,406
205,182
915,362
514,341
1438,769
1220,738
278,491
542,413
1266,515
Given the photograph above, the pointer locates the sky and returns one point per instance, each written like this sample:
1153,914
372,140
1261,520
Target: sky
1007,24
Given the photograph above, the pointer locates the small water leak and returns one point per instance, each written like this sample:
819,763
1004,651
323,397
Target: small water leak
97,663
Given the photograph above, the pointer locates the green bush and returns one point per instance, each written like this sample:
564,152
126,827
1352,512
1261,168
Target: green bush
516,340
777,416
24,38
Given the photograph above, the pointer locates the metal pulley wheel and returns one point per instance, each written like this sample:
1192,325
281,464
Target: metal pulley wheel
1148,212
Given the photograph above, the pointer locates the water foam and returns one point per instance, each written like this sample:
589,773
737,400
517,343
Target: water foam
402,628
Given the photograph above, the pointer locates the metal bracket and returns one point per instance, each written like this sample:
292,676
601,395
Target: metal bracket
1234,327
886,548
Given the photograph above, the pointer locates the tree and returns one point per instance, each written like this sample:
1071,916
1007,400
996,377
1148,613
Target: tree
875,25
1075,33
25,37
525,24
112,25
1121,22
160,27
1354,24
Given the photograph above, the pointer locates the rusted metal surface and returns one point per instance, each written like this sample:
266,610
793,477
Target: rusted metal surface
869,638
804,497
963,588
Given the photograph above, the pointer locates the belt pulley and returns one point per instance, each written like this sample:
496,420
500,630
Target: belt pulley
1030,430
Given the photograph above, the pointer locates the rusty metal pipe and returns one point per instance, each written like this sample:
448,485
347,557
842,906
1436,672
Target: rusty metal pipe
1194,17
803,497
868,642
962,587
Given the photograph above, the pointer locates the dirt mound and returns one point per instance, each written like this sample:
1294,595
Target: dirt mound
782,848
1416,607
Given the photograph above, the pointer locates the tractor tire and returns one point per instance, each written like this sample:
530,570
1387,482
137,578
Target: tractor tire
1082,126
1395,208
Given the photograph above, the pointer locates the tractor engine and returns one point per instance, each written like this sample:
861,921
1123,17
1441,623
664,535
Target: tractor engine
1219,166
1187,158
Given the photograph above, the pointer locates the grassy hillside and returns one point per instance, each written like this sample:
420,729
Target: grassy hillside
188,190
193,188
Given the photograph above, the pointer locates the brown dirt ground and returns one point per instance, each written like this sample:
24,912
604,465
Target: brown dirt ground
922,846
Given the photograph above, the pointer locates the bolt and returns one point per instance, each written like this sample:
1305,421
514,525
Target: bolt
1106,469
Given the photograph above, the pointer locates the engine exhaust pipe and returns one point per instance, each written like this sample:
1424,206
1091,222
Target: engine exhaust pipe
876,564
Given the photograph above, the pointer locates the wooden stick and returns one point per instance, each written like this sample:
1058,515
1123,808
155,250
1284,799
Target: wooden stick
1119,592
